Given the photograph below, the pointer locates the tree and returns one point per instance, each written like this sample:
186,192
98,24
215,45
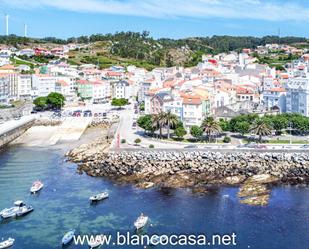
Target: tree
180,132
40,102
226,139
196,131
210,126
55,100
146,123
158,122
170,120
261,128
119,102
224,124
242,127
137,141
279,123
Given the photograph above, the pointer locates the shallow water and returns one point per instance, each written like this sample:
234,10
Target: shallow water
63,204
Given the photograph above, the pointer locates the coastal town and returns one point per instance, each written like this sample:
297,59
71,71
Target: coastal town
220,87
154,124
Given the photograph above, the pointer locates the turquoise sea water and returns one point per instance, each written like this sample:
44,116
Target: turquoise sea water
63,204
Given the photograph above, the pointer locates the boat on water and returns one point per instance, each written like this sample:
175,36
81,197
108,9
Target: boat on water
99,197
36,187
141,222
26,209
94,243
12,212
7,243
68,237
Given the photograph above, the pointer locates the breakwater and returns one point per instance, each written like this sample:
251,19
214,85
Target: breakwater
191,168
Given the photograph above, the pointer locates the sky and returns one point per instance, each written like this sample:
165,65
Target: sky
163,18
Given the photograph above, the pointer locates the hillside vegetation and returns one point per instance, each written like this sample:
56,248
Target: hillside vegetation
142,50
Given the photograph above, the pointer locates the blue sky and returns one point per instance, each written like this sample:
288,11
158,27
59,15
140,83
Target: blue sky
163,18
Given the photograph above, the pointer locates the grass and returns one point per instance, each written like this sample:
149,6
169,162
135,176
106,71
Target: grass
17,62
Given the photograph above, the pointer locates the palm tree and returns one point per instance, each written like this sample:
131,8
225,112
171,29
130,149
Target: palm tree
261,128
210,126
169,119
157,121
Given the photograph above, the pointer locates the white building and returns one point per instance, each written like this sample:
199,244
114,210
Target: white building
143,89
4,89
297,96
24,86
121,89
44,84
27,52
5,57
192,111
100,91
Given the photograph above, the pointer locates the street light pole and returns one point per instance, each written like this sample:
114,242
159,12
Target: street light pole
290,123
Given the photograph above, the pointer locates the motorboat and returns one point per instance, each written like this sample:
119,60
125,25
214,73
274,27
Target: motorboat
95,242
7,243
36,187
99,197
141,222
11,212
68,237
24,210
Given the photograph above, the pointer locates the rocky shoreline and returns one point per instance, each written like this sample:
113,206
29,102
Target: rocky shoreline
197,170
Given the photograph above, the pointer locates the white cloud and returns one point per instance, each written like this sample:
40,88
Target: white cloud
282,10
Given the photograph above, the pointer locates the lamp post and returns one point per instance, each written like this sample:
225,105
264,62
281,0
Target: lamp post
290,128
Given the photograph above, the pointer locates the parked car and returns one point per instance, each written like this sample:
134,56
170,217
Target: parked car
260,146
305,146
191,147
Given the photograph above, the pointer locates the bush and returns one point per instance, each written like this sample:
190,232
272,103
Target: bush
137,141
196,131
151,146
226,139
180,132
123,141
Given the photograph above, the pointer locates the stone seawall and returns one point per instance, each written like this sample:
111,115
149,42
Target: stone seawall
192,168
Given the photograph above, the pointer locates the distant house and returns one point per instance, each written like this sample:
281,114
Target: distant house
41,51
121,89
143,89
57,51
26,52
21,68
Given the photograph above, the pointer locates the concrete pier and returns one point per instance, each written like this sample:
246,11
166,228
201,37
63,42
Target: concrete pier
12,129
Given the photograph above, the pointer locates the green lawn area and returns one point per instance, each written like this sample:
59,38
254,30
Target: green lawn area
17,62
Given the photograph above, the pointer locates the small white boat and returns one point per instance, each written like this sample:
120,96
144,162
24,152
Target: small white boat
11,212
96,242
36,187
141,222
7,243
24,210
68,237
99,197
